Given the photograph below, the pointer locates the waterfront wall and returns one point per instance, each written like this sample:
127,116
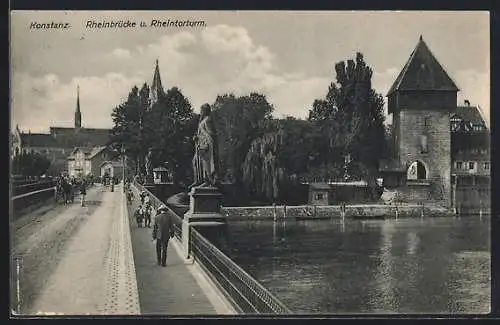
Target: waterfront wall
334,211
472,199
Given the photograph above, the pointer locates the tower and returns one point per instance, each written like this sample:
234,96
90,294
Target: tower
78,113
156,90
421,100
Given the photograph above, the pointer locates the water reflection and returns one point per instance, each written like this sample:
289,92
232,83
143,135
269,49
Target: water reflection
393,266
384,298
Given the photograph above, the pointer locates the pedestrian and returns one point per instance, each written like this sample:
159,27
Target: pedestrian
147,215
163,230
83,192
138,216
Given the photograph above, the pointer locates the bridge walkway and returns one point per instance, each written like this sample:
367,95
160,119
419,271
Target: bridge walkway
178,288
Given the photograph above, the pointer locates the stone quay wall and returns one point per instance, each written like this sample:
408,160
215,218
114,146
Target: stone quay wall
362,211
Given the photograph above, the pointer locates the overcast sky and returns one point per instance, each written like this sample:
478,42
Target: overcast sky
288,56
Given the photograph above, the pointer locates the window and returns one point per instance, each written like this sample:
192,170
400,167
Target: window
459,165
319,196
486,166
423,144
472,165
427,121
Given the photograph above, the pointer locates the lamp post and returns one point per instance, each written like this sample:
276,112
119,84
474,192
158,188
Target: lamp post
122,152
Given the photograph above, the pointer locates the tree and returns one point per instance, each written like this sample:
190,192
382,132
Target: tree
351,117
30,164
126,133
169,128
238,121
262,171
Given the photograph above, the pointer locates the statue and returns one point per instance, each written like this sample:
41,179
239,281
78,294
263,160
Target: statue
148,165
205,160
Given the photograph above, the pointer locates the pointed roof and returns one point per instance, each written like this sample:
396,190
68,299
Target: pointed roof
78,98
423,72
156,86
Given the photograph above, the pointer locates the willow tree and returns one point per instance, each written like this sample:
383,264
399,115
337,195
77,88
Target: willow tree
262,171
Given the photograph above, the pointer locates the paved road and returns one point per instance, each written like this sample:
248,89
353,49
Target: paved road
38,242
77,262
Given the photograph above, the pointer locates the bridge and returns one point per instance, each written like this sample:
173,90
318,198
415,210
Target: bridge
94,260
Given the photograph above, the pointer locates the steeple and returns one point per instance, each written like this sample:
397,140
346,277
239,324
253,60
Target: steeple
78,113
156,90
422,72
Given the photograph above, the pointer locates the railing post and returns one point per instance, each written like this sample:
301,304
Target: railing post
186,239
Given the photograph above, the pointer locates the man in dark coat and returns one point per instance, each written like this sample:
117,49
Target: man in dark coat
163,230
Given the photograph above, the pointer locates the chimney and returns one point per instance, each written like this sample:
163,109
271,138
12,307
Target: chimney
466,102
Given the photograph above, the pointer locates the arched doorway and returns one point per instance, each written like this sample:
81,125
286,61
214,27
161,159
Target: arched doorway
417,170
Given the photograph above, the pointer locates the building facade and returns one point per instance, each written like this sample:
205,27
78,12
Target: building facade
112,169
470,142
471,161
60,142
421,100
88,161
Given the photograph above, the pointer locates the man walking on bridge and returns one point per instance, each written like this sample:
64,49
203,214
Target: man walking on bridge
163,230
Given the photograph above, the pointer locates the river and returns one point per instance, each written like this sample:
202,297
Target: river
411,266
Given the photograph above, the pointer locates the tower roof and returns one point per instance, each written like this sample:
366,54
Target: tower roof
78,98
156,86
422,72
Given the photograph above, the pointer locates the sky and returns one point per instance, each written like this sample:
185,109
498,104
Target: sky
288,56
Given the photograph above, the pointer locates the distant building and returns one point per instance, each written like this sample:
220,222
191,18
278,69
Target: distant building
59,143
112,169
323,193
470,143
88,161
471,161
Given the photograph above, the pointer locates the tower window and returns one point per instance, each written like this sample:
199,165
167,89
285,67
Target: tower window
423,144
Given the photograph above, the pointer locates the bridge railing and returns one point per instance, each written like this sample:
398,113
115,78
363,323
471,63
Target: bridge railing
23,202
245,293
31,187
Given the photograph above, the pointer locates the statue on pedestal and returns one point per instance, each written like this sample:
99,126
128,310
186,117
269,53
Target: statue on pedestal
205,160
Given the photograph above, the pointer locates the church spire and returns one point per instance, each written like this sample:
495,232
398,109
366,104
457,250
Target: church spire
156,87
78,113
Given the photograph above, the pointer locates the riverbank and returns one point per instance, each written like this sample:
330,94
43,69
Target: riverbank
354,211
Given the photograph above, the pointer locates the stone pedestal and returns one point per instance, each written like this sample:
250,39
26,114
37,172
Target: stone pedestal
203,214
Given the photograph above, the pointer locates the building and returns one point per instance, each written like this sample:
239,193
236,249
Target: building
59,143
471,161
470,143
112,169
421,100
338,192
88,161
